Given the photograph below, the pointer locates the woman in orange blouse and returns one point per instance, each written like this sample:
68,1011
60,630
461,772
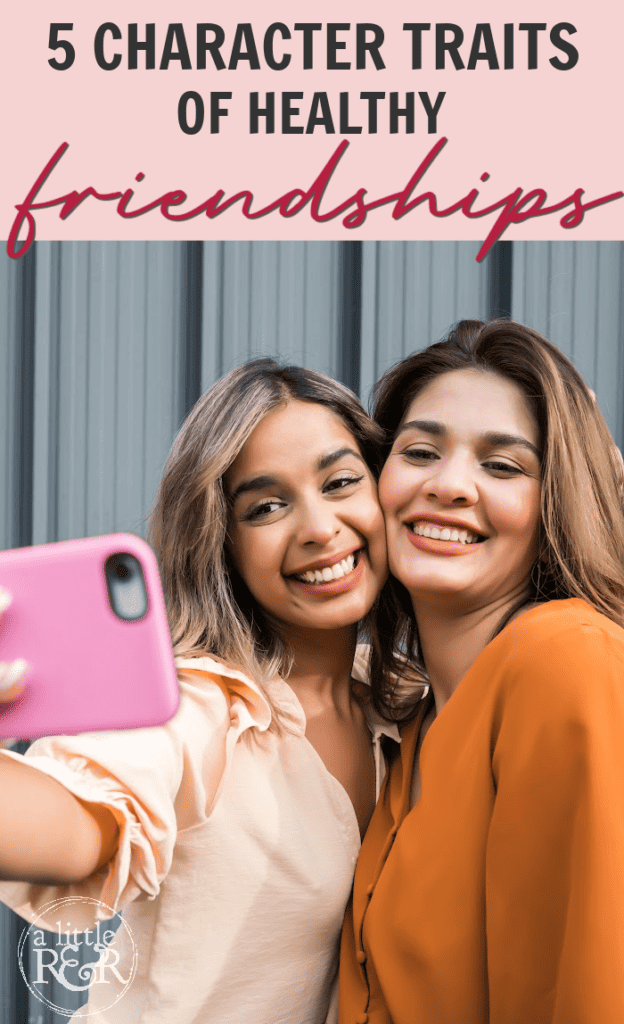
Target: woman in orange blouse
490,887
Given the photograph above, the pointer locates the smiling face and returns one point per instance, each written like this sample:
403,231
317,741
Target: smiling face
306,532
461,492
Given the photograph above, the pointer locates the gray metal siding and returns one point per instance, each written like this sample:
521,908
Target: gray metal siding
412,292
10,273
108,395
572,293
270,298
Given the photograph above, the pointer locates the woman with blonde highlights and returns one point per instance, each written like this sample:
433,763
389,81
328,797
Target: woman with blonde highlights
489,887
229,836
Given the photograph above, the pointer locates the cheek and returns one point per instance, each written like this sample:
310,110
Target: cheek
398,484
388,488
521,519
377,534
250,556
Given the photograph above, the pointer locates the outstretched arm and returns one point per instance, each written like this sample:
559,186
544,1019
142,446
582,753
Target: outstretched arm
47,835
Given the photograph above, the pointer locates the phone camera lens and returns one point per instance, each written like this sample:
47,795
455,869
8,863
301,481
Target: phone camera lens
126,587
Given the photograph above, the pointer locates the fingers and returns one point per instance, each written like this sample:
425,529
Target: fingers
12,678
12,673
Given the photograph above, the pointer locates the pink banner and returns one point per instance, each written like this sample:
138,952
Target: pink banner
339,121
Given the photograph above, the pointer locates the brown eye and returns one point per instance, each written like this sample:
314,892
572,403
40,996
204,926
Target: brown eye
339,483
504,468
420,454
263,509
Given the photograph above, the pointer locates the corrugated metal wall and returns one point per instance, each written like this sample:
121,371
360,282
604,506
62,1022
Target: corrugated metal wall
106,345
574,294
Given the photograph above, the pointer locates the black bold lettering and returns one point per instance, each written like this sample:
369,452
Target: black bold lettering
563,44
452,45
183,121
214,45
362,45
407,112
149,45
532,28
431,111
244,34
308,28
322,120
175,33
483,34
269,52
288,112
416,28
256,112
98,46
333,28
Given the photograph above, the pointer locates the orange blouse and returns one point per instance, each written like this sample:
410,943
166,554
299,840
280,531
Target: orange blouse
499,897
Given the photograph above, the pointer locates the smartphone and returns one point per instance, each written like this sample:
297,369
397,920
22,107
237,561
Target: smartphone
88,616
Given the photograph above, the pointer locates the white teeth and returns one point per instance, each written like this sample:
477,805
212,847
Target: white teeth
330,572
445,533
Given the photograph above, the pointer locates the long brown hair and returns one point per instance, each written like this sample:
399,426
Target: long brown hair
581,551
210,609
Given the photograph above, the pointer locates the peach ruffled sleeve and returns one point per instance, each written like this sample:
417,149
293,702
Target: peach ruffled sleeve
156,782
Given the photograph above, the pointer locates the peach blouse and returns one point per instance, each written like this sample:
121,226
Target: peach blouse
235,861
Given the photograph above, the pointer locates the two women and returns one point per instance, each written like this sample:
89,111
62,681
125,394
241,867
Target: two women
489,887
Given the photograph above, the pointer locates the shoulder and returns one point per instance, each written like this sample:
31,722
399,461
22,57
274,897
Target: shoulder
569,630
224,688
560,655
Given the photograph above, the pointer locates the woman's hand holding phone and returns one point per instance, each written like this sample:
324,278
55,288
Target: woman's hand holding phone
12,673
92,829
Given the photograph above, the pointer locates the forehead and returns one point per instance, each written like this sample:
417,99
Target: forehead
475,401
293,436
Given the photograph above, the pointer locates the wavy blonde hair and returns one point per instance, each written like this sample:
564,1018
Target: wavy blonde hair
581,552
210,609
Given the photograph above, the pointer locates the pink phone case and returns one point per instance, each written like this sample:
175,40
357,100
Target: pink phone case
88,669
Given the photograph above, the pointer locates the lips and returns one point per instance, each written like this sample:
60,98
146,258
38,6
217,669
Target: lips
435,530
323,573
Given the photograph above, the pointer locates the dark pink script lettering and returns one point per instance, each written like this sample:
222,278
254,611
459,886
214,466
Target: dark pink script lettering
515,207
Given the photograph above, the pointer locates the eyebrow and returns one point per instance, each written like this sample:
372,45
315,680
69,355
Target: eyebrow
325,461
494,438
265,482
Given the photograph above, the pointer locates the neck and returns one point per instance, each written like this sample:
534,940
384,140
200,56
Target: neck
322,663
451,640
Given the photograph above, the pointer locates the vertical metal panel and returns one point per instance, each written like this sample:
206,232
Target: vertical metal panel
572,293
411,294
501,280
270,298
110,387
10,277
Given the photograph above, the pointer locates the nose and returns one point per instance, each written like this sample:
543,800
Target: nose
453,481
317,523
